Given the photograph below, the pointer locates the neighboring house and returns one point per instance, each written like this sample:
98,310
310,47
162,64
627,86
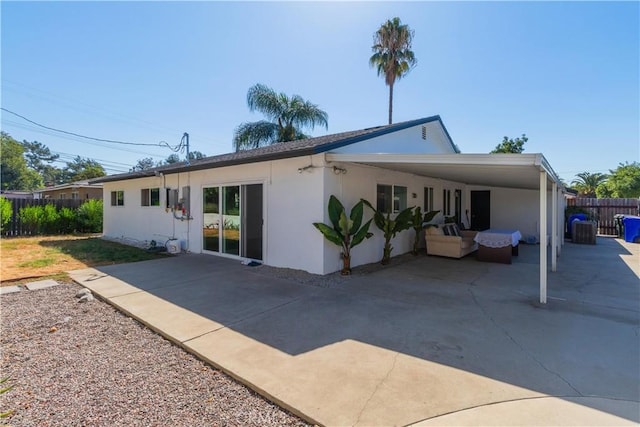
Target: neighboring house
260,204
80,190
10,194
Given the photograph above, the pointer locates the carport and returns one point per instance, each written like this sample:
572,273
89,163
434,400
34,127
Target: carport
516,171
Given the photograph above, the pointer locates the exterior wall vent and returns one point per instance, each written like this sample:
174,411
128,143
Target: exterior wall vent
424,133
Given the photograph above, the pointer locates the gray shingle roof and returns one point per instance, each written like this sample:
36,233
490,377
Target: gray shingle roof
282,150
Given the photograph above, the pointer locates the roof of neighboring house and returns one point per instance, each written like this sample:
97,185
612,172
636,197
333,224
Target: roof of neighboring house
283,150
70,185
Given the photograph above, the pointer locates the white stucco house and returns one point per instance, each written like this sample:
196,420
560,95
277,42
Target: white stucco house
260,204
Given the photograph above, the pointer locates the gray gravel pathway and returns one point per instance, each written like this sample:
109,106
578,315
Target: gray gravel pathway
86,364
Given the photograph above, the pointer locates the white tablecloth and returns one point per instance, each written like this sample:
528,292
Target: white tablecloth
494,238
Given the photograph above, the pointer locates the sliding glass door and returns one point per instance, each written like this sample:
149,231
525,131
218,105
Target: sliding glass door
232,220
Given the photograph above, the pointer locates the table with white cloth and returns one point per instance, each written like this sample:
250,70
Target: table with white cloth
497,245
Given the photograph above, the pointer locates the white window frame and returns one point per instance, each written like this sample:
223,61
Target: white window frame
428,199
446,202
146,197
115,200
394,195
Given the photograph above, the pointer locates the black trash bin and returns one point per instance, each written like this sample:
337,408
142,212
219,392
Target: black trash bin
619,224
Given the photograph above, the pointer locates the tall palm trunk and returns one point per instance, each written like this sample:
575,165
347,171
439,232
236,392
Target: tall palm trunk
390,102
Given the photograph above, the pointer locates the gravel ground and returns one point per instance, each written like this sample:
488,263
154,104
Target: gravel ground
86,364
333,280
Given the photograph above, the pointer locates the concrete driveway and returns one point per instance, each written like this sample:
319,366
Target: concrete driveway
430,341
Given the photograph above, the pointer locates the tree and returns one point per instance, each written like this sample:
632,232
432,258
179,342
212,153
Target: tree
38,158
196,155
14,172
286,117
175,158
586,183
510,145
392,54
623,182
36,153
143,164
82,169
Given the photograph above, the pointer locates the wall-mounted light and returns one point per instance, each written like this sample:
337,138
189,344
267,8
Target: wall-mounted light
300,170
337,170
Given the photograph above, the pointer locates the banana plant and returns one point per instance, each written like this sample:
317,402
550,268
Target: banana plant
390,227
346,232
416,223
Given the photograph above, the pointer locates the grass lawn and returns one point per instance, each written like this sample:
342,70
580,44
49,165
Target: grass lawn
49,257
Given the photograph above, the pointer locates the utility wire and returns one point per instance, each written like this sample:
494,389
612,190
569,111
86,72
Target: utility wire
32,128
162,143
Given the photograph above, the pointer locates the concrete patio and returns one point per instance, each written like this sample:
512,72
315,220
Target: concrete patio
431,341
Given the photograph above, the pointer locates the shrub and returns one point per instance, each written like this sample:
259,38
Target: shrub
90,216
32,218
67,220
6,212
50,219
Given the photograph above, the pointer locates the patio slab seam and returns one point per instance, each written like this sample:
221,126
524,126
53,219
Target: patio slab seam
521,399
520,346
375,390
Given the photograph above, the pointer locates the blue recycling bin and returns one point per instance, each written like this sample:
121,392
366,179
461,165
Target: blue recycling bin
575,217
631,228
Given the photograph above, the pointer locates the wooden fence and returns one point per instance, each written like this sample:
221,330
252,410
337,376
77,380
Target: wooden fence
603,210
15,226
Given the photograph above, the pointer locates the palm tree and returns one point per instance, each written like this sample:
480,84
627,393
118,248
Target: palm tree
586,183
286,116
392,54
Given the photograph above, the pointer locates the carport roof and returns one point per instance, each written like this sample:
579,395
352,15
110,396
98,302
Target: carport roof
497,170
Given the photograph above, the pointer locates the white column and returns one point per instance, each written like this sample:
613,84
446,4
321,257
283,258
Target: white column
554,226
543,237
560,219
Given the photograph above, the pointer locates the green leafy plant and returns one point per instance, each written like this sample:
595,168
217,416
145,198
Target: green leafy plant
32,218
67,220
90,216
6,212
50,219
390,227
3,389
417,219
346,232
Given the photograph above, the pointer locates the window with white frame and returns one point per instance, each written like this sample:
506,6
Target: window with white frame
62,196
428,199
75,195
117,198
391,198
446,202
150,197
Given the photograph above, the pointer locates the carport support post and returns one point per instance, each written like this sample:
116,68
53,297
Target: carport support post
543,237
554,226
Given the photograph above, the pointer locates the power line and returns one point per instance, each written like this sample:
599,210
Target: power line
160,144
72,138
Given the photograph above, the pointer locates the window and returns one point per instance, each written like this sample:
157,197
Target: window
428,199
150,197
117,198
62,196
446,202
391,198
75,195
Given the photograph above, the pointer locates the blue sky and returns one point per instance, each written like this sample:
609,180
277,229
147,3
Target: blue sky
566,74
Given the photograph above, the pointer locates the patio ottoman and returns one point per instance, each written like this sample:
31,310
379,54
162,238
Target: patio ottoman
500,255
